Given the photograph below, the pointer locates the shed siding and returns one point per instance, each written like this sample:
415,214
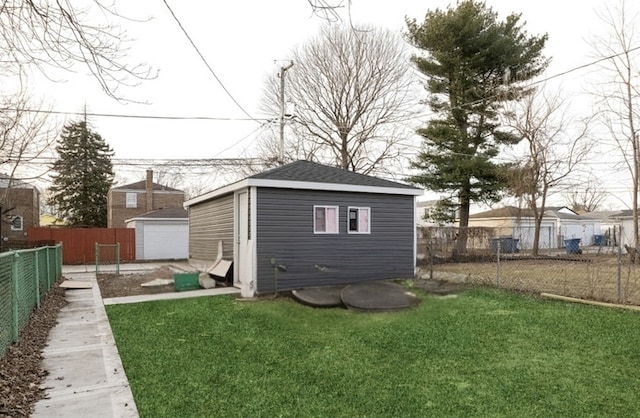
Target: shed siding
209,223
285,232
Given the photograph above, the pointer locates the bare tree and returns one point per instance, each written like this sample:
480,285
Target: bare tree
25,137
587,198
352,96
620,94
555,147
57,34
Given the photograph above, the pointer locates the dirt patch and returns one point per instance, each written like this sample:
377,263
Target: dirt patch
118,285
21,372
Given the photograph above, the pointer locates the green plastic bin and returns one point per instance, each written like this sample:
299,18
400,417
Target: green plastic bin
186,281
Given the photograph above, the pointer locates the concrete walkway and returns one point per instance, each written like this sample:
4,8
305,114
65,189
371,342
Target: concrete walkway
85,374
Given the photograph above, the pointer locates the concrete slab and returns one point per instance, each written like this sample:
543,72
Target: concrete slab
107,402
73,337
68,369
76,284
321,296
77,316
378,296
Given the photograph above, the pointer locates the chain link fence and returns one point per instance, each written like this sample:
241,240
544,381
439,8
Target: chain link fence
25,277
601,272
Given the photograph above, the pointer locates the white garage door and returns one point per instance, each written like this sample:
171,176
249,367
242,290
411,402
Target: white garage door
163,241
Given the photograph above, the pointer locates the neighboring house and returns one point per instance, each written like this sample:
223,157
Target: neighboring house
306,224
20,209
423,211
161,234
49,220
128,201
558,224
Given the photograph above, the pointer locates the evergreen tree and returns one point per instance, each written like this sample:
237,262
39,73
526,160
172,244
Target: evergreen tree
473,64
83,176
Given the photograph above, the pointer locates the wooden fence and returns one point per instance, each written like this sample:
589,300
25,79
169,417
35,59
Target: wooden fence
79,244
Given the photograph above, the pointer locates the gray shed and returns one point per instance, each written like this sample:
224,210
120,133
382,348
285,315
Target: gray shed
305,224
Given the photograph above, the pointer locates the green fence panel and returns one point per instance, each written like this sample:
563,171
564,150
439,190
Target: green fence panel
42,272
25,278
6,307
26,286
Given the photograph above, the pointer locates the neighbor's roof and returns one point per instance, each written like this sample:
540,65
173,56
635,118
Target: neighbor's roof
142,185
515,212
166,213
7,181
504,212
308,175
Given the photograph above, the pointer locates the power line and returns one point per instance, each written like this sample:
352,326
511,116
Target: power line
205,62
561,74
121,115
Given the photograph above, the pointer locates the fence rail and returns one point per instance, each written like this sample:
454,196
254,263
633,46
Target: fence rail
596,272
25,277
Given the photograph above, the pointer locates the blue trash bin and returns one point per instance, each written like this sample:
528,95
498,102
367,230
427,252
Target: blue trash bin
573,246
598,240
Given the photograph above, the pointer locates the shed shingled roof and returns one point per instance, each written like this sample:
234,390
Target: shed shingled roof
307,171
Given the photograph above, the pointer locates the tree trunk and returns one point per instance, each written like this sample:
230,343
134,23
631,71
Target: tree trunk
461,241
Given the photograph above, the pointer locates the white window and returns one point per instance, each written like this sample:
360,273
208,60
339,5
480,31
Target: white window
16,223
325,219
359,221
132,200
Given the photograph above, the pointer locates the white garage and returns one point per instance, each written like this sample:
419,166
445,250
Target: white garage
161,234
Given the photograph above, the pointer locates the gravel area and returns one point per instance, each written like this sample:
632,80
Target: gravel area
21,372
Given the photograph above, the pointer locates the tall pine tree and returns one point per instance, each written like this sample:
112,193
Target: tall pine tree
83,176
473,63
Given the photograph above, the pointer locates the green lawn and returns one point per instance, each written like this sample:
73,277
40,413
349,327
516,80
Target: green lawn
486,353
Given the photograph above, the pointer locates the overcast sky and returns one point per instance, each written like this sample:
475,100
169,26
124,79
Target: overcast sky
242,41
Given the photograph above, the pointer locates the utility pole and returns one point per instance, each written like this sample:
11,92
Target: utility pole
281,74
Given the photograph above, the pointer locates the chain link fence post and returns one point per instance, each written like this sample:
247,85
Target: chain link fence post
430,255
619,274
498,264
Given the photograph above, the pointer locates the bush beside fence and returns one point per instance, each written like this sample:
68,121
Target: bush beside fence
598,273
25,278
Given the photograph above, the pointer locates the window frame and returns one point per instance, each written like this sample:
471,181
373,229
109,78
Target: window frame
336,219
131,200
15,228
358,209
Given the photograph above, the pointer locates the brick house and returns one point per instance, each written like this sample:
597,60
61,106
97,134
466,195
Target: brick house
128,201
20,206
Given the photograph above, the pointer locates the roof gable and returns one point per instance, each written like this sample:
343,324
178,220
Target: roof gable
142,186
